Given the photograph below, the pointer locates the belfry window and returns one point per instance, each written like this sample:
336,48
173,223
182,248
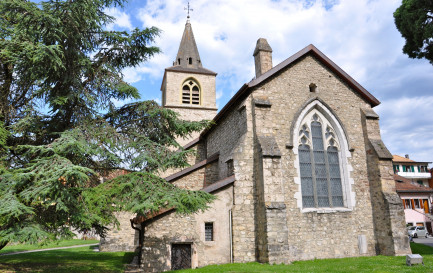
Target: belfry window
319,163
190,92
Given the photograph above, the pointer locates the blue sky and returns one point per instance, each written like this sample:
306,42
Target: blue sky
359,36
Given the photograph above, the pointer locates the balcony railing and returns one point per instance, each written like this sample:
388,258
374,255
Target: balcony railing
415,175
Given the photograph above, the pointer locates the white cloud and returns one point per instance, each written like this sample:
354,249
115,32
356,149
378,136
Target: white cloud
407,126
122,19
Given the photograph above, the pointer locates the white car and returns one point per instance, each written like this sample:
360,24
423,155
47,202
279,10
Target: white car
417,231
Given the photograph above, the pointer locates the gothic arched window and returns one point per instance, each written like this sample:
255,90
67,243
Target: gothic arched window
320,163
190,92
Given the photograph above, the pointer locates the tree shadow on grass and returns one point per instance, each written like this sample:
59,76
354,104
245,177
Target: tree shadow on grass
82,259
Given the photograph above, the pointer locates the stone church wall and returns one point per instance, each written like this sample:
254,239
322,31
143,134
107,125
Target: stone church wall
173,91
123,238
232,138
189,229
315,234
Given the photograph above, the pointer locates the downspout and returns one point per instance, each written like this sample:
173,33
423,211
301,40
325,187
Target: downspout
231,236
140,239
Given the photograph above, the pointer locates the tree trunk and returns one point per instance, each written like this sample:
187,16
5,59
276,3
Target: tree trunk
2,245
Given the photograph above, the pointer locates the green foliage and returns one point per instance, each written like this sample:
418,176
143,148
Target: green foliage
60,133
414,20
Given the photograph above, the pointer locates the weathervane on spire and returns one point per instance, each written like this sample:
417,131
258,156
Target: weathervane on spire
188,9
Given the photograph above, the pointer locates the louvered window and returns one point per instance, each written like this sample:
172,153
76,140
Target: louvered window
190,92
319,163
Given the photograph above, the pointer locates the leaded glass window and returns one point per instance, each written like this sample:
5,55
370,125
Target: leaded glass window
320,169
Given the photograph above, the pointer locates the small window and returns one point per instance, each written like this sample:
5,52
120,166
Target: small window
230,167
178,61
422,169
420,182
408,203
396,169
408,169
313,87
416,201
208,231
190,60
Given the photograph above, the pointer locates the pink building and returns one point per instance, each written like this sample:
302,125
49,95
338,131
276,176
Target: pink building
417,202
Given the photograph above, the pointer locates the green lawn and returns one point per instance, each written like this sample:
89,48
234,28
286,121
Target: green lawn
22,247
82,259
361,264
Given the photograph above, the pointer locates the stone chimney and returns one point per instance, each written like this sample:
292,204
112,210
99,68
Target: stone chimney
262,57
407,156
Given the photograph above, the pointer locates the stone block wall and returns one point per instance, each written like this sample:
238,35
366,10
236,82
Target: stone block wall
123,238
388,212
172,87
172,228
316,234
233,139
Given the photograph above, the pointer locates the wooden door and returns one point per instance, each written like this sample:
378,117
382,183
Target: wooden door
180,256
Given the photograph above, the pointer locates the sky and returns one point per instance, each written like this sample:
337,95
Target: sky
359,36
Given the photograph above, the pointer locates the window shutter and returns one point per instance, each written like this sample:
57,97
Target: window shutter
413,203
404,168
411,167
404,203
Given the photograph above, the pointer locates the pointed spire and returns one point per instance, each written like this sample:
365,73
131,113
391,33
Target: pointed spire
187,56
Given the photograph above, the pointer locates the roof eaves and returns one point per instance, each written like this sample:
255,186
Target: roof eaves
201,70
209,189
188,170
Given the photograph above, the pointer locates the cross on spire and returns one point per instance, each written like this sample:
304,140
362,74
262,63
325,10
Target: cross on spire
188,9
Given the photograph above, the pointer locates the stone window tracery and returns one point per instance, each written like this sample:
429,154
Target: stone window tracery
319,163
190,92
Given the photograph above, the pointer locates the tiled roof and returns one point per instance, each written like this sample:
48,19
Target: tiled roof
405,185
397,158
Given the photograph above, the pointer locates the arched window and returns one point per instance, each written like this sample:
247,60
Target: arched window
190,92
321,167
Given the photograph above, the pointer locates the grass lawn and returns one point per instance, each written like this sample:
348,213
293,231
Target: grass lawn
23,247
82,259
361,264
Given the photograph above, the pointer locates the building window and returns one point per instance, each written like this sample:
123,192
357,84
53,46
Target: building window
420,182
408,169
408,203
313,87
190,92
416,202
422,169
396,169
319,162
208,232
230,167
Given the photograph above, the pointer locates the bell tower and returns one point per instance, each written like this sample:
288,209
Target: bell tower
187,87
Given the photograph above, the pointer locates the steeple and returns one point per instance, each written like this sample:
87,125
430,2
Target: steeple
187,87
187,55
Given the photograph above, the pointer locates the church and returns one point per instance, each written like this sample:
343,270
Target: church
295,159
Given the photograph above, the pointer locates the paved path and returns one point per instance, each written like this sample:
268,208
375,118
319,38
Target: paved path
45,249
425,241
